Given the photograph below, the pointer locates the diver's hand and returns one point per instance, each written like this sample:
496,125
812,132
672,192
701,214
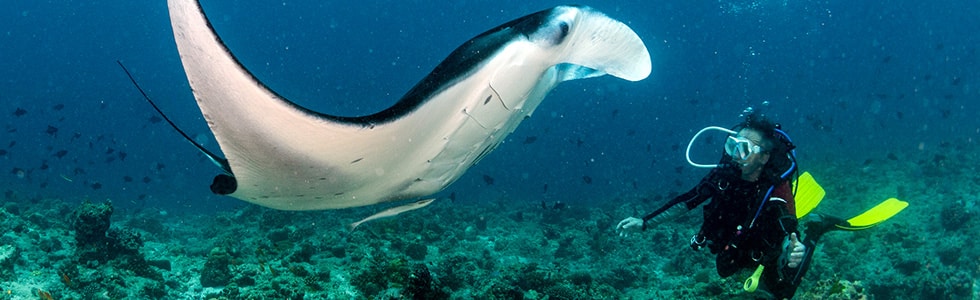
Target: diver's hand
629,225
797,252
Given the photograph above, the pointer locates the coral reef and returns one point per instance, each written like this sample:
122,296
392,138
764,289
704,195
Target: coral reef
107,260
217,270
90,223
835,289
955,216
473,250
8,255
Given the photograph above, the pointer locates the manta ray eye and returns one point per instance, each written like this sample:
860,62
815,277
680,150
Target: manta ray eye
554,33
561,31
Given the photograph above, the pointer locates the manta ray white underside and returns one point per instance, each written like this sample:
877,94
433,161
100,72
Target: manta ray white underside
284,156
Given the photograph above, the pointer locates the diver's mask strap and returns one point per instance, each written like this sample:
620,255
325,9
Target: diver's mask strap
691,143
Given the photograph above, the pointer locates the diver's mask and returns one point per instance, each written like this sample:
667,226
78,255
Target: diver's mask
737,147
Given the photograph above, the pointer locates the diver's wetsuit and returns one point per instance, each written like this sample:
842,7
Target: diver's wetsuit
728,229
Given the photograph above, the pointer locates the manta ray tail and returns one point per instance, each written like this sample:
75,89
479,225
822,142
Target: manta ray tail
217,160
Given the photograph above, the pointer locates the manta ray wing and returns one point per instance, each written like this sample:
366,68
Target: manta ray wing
288,157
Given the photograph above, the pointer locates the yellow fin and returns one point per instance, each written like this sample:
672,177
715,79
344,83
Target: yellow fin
808,194
881,212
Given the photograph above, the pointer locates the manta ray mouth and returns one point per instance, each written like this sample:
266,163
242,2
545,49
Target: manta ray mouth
284,156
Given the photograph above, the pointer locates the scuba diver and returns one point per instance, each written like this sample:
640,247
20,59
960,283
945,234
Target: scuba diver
751,220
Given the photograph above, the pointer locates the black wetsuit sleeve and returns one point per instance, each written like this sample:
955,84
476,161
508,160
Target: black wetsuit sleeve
691,199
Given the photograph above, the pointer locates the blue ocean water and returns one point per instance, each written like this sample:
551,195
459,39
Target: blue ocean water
871,77
850,81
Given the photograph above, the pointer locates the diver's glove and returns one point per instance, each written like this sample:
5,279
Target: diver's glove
629,225
796,251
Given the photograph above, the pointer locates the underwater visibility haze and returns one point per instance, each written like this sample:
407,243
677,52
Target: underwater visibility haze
104,200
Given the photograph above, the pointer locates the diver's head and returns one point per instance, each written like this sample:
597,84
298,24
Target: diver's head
749,150
755,146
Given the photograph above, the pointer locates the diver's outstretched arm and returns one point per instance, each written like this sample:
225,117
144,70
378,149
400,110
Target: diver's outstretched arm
669,210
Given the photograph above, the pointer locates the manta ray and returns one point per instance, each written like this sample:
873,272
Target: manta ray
281,155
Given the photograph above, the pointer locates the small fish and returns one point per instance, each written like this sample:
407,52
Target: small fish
3,152
20,173
530,140
160,166
52,131
155,119
44,165
60,153
64,277
394,211
127,178
146,179
545,188
122,155
58,107
96,186
587,179
452,197
20,112
488,179
44,295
